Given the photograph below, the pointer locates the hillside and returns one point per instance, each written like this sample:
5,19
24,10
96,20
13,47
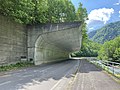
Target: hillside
92,33
106,33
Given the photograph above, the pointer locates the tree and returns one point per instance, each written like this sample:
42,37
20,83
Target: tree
81,15
20,10
89,49
116,54
70,13
110,49
41,11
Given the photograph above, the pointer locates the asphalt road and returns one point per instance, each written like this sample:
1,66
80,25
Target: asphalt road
90,77
47,77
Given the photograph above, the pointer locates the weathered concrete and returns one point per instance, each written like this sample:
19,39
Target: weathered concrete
42,43
12,41
53,42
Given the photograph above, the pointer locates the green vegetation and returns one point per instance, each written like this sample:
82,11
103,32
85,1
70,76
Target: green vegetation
110,50
88,49
15,66
42,11
106,33
82,16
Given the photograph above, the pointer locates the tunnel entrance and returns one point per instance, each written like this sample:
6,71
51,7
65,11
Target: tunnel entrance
56,43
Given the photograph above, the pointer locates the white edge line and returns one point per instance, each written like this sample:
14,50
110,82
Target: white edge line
5,83
60,80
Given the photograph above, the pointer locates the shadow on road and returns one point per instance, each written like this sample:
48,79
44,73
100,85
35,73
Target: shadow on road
86,67
36,75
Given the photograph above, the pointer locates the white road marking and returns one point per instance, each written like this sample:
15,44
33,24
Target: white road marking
6,75
56,85
53,88
27,76
5,83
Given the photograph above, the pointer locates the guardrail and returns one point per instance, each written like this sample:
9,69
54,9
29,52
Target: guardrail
111,67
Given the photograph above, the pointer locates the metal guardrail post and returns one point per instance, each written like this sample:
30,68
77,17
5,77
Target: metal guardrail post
101,65
113,68
108,66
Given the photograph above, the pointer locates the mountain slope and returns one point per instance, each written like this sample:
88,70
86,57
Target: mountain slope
106,33
92,33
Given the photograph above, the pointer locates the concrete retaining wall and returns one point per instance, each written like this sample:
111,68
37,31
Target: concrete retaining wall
42,43
13,41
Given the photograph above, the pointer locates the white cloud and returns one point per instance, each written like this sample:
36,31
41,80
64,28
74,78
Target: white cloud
118,3
101,15
91,28
119,13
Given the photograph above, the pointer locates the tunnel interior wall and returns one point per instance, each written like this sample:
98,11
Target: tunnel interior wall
34,31
42,41
13,41
47,52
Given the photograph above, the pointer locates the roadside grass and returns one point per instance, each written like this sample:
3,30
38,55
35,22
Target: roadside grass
15,66
117,75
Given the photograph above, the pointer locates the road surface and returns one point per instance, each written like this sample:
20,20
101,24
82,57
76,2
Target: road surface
47,77
90,77
57,76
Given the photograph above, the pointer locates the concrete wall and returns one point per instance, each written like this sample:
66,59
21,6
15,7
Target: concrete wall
42,43
47,52
13,41
53,42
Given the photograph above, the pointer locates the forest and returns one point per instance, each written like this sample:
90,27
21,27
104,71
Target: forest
42,11
110,50
88,49
106,33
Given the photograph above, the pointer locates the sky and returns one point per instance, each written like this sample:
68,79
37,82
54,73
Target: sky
100,12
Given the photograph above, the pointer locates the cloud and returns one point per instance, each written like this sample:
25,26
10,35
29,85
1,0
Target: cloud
118,3
119,13
101,15
91,28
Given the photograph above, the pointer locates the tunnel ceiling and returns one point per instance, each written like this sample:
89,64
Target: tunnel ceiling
53,42
67,40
